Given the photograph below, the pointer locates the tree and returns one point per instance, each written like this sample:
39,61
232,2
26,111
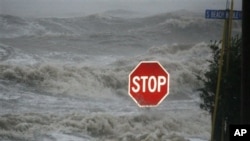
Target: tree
228,111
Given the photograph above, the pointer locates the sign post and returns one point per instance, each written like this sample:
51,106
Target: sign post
228,15
148,84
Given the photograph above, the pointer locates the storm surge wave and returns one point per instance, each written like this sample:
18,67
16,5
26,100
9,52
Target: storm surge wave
73,101
183,25
183,62
65,79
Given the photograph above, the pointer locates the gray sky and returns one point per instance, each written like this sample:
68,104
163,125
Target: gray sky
66,8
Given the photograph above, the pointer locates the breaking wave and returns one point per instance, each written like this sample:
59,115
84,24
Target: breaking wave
67,78
183,62
171,25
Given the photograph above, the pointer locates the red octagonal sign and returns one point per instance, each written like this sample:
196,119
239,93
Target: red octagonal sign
148,84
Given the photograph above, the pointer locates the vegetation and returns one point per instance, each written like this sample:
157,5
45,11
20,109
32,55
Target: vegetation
228,111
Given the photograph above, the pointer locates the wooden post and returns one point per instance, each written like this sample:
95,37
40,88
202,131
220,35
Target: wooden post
230,22
226,43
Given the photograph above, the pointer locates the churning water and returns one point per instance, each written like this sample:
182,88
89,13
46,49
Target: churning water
64,79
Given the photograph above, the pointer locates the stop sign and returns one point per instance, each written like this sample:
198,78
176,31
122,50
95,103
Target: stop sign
148,84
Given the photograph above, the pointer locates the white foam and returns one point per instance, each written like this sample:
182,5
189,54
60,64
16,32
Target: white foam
142,126
68,96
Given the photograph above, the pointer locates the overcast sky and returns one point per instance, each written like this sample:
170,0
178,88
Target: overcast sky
65,8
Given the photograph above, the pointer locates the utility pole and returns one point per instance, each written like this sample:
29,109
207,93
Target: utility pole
245,78
226,43
219,122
